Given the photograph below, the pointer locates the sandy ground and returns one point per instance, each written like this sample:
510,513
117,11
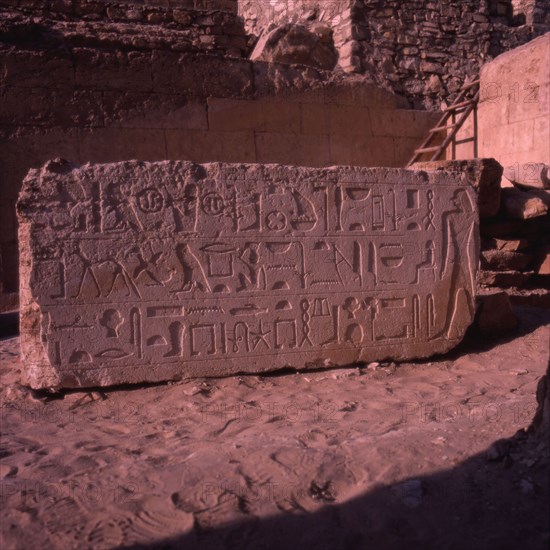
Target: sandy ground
424,455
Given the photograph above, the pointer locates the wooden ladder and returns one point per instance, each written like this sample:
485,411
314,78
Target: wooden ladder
464,103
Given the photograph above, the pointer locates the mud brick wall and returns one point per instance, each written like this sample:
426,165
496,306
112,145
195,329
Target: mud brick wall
103,105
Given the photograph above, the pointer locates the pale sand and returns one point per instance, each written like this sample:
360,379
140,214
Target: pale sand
351,458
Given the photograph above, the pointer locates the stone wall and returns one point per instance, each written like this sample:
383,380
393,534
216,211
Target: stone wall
422,49
514,111
87,7
335,14
426,50
115,25
86,101
531,12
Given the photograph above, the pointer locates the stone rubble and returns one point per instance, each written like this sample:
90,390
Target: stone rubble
515,245
295,44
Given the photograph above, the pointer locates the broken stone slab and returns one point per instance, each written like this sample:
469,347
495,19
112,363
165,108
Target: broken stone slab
522,205
504,260
537,297
503,279
484,174
292,44
140,272
543,260
530,174
509,245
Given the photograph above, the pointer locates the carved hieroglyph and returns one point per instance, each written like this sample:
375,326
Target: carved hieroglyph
139,271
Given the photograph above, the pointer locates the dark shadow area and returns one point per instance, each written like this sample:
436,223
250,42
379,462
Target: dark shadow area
497,500
530,319
9,324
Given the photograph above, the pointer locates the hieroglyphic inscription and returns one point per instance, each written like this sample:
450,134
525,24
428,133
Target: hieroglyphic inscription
150,271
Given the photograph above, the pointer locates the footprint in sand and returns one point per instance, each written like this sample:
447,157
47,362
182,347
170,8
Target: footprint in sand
156,520
106,534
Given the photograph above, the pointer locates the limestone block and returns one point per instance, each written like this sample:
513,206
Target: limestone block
314,119
111,144
402,122
484,174
544,268
509,245
514,104
349,120
136,271
504,279
360,150
201,76
281,116
153,110
308,150
208,146
504,260
234,115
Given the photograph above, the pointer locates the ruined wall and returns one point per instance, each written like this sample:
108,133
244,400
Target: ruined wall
531,12
422,49
335,14
119,25
86,96
425,50
514,111
87,7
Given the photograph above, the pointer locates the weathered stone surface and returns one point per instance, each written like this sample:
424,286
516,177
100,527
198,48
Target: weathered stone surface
510,245
530,174
543,263
484,175
504,260
140,271
420,49
295,44
503,279
513,122
537,297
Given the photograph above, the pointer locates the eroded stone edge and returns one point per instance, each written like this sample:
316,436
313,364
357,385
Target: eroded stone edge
39,373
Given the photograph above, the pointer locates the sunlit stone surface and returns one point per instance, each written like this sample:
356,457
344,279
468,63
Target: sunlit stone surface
136,271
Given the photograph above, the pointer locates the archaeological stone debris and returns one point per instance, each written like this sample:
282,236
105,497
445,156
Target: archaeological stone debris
136,271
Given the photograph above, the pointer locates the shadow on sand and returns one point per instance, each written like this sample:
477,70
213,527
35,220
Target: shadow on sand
496,500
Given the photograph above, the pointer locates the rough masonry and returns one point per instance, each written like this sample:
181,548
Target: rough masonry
139,271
